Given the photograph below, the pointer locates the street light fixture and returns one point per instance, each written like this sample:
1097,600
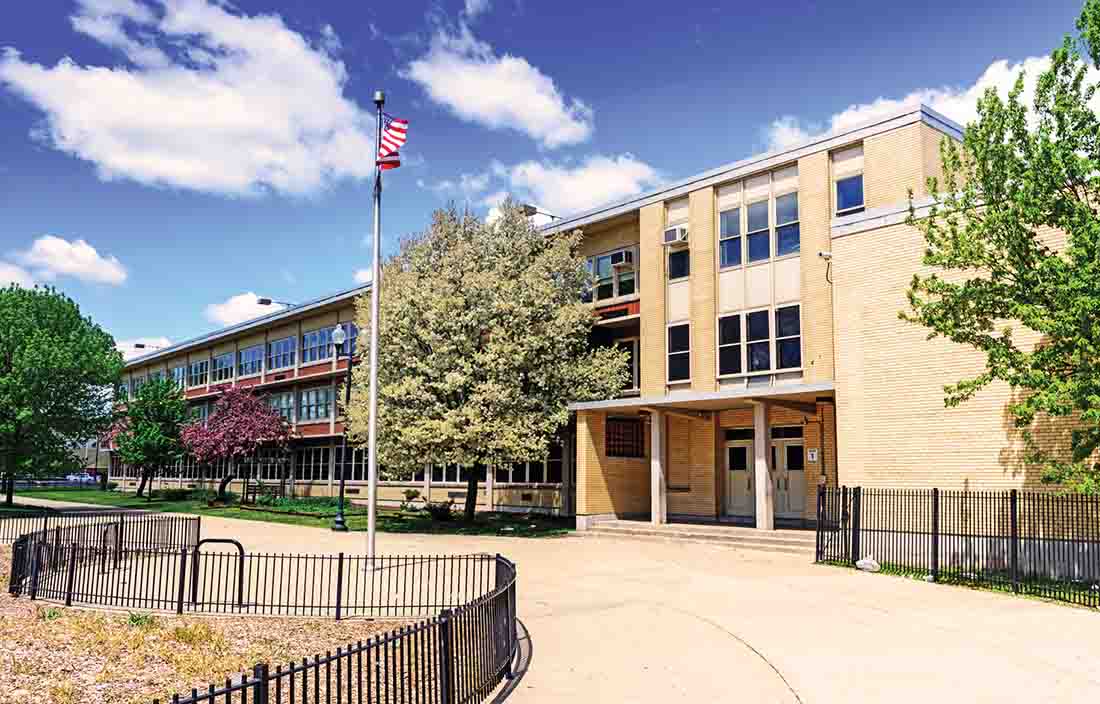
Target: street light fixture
268,302
531,211
338,339
143,346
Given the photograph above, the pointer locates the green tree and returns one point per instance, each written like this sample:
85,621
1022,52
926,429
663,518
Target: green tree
57,373
484,341
1020,177
147,435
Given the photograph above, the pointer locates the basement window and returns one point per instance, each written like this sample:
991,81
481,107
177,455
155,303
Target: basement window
624,437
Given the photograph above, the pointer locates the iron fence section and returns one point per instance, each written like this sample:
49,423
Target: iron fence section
1026,542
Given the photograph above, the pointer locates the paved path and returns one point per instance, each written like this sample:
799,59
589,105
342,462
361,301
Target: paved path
624,621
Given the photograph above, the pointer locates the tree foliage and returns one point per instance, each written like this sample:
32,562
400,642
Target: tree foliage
240,424
147,435
483,343
1020,180
57,373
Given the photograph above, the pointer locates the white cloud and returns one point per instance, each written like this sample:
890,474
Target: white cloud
465,186
956,102
52,256
363,276
562,189
467,76
129,351
239,308
211,100
474,8
12,274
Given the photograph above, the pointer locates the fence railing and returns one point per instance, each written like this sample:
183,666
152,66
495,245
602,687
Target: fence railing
1026,542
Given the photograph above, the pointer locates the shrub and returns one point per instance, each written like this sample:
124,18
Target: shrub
172,494
411,495
441,511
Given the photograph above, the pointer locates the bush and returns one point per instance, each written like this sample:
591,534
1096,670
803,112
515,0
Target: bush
172,494
441,511
411,495
112,486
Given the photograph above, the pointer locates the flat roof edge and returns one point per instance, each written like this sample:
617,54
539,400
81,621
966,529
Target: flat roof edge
730,394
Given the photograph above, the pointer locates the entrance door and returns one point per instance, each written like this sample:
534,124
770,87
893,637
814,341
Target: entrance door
740,493
789,477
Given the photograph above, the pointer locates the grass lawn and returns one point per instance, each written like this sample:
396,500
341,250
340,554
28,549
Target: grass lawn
389,520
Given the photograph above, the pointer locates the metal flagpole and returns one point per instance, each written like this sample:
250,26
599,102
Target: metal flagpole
375,290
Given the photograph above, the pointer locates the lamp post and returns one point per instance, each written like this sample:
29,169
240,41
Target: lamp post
270,302
338,338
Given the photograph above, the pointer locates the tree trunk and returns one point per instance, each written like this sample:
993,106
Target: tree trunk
230,475
143,482
9,489
471,495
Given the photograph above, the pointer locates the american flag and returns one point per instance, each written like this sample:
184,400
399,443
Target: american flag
394,135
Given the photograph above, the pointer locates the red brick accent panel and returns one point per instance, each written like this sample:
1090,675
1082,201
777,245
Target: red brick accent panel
313,429
315,369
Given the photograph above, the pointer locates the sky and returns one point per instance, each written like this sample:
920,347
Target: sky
166,162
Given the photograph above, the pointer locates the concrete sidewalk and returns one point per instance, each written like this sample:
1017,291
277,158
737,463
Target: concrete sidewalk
623,621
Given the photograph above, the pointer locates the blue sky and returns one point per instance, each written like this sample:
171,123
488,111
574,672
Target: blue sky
160,160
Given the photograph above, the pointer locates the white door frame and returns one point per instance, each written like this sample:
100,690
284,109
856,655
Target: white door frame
729,508
780,473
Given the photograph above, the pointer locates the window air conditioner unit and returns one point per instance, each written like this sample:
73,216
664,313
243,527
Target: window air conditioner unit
622,259
676,235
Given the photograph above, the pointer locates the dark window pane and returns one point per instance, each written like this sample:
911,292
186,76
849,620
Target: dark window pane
679,263
787,431
731,251
739,434
786,208
849,192
789,353
730,223
729,359
786,321
759,246
758,325
738,458
501,475
603,267
536,472
729,330
437,472
554,473
759,359
626,283
758,216
604,290
787,240
679,338
623,437
795,459
679,366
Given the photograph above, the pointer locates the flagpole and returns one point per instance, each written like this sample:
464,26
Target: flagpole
375,290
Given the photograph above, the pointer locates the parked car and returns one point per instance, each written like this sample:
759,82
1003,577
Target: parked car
81,478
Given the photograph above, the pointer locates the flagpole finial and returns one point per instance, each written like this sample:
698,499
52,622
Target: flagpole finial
379,98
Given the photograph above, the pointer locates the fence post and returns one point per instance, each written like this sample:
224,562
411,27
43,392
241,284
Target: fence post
339,582
70,577
935,534
857,494
36,568
820,522
1013,505
845,521
446,644
260,684
182,581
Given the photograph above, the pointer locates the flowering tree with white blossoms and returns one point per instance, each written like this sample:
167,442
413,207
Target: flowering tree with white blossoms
483,341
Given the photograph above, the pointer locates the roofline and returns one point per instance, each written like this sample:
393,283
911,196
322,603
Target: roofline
903,116
282,314
698,396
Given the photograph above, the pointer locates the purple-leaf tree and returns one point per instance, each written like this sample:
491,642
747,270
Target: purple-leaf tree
240,425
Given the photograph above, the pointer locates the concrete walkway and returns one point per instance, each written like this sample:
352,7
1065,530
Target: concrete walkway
631,621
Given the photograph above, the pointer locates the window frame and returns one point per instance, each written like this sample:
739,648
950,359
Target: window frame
241,372
852,210
191,374
302,417
740,344
769,204
636,372
772,341
181,378
215,369
669,353
280,408
634,447
290,354
322,347
797,223
592,262
682,248
741,214
776,338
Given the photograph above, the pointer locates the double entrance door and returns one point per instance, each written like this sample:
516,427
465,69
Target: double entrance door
788,473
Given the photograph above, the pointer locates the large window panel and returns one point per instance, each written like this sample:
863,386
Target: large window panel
315,404
679,263
222,369
250,360
787,236
729,238
788,338
759,240
316,345
679,352
849,195
758,337
196,375
280,353
729,344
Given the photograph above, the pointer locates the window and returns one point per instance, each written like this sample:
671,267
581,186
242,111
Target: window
624,437
137,383
311,463
315,404
444,473
316,345
849,195
613,274
179,375
122,391
283,404
631,347
156,376
479,470
788,338
758,232
223,367
729,238
786,432
734,434
759,352
786,225
197,374
679,352
280,353
250,360
351,333
556,462
729,345
679,263
200,412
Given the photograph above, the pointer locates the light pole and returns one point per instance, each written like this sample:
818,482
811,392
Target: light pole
270,301
338,338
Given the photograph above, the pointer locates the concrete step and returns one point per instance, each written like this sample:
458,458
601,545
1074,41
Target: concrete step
791,542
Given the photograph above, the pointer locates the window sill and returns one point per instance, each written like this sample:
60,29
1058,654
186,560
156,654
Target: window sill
679,279
614,301
742,375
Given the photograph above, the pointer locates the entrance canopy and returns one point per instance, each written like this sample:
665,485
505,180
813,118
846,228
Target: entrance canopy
711,400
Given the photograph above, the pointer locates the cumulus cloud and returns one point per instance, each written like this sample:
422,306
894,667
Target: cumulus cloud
474,8
12,274
468,77
466,186
51,256
239,308
208,100
129,349
960,103
562,189
363,276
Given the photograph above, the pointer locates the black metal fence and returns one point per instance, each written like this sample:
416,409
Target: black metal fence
1025,542
16,523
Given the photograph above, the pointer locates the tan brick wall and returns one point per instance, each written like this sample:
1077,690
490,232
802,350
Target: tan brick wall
652,289
704,265
598,239
815,214
892,163
930,148
692,467
893,426
608,484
